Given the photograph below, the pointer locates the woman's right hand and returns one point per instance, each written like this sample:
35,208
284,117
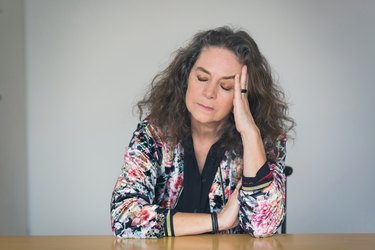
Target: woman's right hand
228,217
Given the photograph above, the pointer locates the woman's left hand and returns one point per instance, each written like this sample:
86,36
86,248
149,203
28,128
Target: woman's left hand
253,149
241,107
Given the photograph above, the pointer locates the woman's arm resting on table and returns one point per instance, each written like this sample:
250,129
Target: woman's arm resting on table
192,223
262,195
262,198
132,212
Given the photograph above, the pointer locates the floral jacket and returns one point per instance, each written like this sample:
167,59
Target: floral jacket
152,180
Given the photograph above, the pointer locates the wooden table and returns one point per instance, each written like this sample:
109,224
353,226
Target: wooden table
222,242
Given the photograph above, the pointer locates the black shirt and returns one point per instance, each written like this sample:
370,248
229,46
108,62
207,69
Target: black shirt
196,186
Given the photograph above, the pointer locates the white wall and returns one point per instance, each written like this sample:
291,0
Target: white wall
89,61
13,178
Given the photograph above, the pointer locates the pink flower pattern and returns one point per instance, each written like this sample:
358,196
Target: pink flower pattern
152,180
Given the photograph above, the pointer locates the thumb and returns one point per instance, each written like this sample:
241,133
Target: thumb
239,184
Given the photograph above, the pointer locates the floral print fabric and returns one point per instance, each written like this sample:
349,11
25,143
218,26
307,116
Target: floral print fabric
152,179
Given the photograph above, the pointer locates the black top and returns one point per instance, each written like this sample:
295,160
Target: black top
194,197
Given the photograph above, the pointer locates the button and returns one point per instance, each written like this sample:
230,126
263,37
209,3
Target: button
196,210
203,180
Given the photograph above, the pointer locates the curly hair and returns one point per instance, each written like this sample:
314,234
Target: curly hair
165,105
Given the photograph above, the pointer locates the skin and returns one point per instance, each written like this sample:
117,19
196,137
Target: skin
214,91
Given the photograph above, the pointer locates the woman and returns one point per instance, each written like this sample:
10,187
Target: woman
209,156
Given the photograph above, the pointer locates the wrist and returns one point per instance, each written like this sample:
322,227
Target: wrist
254,154
221,222
215,223
250,134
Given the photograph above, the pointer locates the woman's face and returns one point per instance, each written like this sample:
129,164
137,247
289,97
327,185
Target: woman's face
209,95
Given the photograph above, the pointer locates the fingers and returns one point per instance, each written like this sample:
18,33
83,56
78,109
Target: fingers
241,84
237,87
239,184
241,107
237,190
228,217
244,82
244,78
234,196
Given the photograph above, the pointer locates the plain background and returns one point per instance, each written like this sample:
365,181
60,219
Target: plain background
71,72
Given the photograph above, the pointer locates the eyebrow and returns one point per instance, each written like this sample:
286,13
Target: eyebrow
206,71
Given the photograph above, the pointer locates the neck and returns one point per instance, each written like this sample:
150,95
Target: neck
205,132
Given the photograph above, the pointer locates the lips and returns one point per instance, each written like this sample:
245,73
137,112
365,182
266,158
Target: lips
204,107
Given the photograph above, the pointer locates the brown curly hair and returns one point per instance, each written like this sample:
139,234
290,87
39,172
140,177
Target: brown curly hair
165,100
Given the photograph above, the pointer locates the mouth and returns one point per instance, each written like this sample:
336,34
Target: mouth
204,107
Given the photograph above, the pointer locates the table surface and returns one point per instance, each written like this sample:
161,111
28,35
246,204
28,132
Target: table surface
224,242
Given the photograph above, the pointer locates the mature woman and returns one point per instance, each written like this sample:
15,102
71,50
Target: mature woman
209,155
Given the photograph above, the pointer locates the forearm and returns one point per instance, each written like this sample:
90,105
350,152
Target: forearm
262,209
136,222
254,155
199,223
192,223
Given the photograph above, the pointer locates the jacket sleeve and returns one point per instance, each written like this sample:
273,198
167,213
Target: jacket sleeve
133,214
262,199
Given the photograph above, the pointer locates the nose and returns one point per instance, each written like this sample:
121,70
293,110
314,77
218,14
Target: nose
210,90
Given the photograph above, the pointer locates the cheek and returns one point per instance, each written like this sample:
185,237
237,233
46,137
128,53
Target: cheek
192,91
188,93
227,103
189,96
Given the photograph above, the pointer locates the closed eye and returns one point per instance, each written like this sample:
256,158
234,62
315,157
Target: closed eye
226,86
202,79
226,89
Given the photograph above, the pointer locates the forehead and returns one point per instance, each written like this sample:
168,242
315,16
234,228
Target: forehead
218,60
